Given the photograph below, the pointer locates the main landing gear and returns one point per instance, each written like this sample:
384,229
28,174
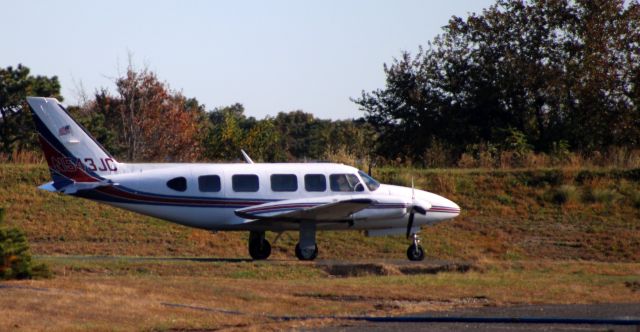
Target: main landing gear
307,249
259,247
415,251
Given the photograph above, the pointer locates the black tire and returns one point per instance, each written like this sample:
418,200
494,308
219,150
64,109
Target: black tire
302,258
259,250
415,253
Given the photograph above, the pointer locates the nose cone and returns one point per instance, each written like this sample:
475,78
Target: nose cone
443,206
451,207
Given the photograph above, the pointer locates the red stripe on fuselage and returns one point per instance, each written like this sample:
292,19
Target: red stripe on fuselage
67,166
149,198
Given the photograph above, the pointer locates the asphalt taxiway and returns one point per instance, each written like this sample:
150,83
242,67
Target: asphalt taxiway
563,315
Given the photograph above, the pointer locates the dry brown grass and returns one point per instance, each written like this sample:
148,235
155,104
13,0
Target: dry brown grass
23,157
122,295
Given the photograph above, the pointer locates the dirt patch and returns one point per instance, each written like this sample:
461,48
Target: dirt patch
389,269
360,270
449,267
634,286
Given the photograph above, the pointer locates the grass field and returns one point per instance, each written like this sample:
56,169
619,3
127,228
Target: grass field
532,236
189,295
506,215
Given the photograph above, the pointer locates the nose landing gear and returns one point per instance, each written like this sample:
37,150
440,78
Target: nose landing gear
415,251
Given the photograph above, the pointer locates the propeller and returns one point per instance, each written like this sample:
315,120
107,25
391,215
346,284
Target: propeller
415,207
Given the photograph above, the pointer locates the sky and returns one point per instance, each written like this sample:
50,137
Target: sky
270,56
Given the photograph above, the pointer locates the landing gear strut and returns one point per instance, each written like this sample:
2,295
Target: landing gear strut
307,249
259,247
415,251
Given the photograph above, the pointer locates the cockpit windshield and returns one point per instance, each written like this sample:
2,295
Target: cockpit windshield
369,181
345,182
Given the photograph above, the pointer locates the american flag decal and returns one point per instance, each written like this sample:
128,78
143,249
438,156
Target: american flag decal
64,130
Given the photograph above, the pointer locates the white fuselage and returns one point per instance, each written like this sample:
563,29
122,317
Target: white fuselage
194,201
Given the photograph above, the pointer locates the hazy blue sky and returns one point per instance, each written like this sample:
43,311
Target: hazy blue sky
270,56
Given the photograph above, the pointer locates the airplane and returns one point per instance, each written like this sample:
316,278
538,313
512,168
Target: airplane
254,197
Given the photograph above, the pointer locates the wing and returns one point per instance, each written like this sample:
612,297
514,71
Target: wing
298,210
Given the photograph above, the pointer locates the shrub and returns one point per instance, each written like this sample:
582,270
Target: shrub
504,199
560,153
562,194
438,155
604,195
15,259
635,199
515,143
467,161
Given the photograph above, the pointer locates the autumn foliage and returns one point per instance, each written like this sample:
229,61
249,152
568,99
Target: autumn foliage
147,121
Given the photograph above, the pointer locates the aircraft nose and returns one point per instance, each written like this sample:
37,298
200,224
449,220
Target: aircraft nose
455,208
445,205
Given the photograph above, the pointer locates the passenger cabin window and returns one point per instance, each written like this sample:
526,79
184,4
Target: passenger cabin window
284,182
315,182
245,183
177,184
209,183
345,182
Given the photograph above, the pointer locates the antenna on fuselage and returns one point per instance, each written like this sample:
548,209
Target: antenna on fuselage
246,157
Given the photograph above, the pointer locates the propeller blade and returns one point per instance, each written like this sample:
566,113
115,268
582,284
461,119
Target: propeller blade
413,190
410,224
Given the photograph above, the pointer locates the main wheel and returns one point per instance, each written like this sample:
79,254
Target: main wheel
259,250
415,253
308,257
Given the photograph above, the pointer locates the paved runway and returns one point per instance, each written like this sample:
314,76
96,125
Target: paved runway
586,311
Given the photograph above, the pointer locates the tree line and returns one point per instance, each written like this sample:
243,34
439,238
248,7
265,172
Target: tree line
552,77
546,75
145,120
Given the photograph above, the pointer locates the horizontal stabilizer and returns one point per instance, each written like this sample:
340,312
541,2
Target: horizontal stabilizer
74,187
48,187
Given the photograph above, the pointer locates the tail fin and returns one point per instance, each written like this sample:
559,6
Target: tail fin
72,155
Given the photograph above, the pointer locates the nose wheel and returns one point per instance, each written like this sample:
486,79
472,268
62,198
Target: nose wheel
415,251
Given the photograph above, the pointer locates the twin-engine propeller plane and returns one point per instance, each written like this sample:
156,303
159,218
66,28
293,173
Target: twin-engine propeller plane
254,197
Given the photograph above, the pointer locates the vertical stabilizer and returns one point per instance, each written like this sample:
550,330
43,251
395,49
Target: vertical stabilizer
72,154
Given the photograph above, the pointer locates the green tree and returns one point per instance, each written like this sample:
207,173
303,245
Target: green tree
16,124
262,142
552,70
15,259
225,136
296,129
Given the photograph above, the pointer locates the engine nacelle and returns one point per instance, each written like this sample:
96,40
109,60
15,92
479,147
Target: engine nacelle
380,214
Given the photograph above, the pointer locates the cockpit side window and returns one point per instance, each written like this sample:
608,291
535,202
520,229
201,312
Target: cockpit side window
345,183
178,184
371,183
